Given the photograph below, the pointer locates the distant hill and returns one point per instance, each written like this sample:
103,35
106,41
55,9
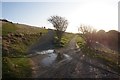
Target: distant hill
4,20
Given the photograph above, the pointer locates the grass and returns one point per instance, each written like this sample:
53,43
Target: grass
15,46
64,40
25,29
17,38
80,41
8,27
16,67
111,61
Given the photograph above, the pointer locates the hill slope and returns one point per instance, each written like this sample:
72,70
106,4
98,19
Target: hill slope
16,39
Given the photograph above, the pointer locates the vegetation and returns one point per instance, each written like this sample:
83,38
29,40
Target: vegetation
17,38
17,44
101,45
80,41
91,36
64,40
60,24
8,27
87,34
16,67
109,58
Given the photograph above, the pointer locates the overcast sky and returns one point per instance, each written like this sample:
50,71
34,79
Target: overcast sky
101,14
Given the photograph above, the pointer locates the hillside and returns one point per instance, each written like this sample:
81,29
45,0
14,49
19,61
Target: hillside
17,38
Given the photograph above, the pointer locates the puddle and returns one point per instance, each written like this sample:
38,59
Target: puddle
45,52
67,57
47,61
51,57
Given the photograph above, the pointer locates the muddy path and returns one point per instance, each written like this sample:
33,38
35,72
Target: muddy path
75,64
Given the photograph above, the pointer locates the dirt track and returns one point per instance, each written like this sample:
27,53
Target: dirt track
79,66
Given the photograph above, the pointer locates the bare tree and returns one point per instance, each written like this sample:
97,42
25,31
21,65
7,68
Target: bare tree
87,33
60,24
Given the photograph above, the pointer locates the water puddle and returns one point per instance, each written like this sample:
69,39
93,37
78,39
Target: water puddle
47,61
50,57
46,52
67,57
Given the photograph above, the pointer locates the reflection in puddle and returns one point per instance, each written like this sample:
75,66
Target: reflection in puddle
51,57
46,52
47,61
67,57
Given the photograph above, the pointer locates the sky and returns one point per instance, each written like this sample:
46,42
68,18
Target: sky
101,14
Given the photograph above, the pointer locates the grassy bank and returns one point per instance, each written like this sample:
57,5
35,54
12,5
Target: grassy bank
64,40
17,38
16,67
80,41
107,58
